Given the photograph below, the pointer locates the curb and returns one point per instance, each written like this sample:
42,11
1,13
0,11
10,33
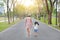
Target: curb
9,28
51,27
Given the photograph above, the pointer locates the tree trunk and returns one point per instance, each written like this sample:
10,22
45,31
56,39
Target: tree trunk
13,14
49,18
8,11
14,1
44,17
59,19
13,9
49,11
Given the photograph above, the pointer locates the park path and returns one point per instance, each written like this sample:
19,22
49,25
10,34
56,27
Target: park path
17,32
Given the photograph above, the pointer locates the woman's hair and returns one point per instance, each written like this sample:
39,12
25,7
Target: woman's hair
36,23
28,16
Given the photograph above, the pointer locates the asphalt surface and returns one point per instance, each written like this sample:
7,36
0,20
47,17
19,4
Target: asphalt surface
18,32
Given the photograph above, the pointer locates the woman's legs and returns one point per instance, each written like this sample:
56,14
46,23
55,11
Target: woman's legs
28,31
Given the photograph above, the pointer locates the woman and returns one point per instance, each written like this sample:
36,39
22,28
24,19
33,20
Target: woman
28,24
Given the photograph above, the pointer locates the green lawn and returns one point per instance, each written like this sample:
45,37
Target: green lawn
46,21
53,22
43,20
56,27
5,25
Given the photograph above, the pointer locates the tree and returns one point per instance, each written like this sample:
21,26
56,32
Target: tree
8,11
58,13
39,3
20,10
8,14
50,9
1,4
59,19
13,4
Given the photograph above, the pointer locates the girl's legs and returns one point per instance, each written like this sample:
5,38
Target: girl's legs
36,33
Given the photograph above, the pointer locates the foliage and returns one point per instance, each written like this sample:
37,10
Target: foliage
54,12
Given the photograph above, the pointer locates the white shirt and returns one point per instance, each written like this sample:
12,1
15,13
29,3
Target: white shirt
36,26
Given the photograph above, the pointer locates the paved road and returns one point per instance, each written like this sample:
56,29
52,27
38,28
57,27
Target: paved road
17,32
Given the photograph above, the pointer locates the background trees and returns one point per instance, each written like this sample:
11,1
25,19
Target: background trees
50,5
1,8
42,8
58,12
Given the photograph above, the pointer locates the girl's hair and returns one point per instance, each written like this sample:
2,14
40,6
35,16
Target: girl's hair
36,23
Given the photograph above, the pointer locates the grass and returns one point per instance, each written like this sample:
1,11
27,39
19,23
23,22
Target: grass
5,25
43,20
46,21
53,22
57,27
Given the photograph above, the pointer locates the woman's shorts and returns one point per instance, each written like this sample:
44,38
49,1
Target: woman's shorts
35,30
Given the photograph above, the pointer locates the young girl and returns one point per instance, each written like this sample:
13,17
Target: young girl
36,28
